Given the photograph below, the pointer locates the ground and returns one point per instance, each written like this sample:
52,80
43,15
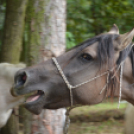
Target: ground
103,118
106,127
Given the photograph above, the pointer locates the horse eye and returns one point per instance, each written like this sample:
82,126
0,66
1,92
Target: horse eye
86,57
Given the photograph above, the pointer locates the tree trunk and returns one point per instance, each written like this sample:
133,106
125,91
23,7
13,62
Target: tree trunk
45,25
11,46
31,47
55,26
53,41
12,126
13,31
26,120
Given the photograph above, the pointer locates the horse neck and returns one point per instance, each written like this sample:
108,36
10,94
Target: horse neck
127,81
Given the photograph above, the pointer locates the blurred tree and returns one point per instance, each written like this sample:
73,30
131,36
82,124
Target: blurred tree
11,46
31,46
2,18
13,31
44,37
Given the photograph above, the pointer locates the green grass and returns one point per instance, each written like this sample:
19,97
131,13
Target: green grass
110,126
107,127
97,108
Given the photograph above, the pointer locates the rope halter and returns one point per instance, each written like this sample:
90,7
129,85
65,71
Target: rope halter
70,87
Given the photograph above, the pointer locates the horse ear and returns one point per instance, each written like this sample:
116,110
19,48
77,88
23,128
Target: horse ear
114,29
122,41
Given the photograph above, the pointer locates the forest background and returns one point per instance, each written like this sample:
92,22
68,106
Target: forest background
84,19
87,18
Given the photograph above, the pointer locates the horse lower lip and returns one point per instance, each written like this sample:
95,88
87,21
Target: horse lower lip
33,98
36,95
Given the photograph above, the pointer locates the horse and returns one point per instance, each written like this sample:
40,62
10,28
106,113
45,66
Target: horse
8,102
129,120
85,75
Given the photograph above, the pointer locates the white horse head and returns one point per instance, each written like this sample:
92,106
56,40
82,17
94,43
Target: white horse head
7,72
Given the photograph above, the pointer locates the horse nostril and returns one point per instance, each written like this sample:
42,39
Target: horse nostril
20,79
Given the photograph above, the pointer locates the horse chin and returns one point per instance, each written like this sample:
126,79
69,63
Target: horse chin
36,109
35,104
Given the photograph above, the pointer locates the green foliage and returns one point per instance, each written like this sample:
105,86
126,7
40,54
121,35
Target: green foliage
88,18
70,41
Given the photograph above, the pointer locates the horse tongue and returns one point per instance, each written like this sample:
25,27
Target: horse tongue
32,98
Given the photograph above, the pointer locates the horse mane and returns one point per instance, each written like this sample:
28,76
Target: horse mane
129,51
106,53
105,50
131,55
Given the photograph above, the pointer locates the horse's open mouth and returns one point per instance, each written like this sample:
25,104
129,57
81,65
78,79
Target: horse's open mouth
35,97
